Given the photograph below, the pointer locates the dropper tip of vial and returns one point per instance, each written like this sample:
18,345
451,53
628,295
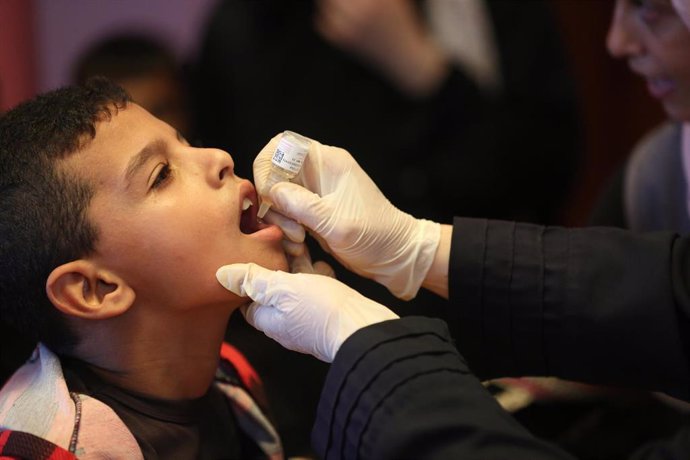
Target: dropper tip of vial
263,209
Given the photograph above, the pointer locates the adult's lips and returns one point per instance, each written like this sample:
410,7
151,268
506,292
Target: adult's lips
660,87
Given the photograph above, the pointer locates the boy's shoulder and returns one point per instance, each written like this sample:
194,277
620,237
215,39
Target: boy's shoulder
36,401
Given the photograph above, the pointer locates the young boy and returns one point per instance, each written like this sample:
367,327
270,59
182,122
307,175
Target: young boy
112,230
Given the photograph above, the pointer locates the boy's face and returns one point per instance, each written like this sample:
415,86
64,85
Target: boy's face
169,215
652,37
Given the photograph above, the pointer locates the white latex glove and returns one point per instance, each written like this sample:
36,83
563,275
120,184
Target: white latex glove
308,313
300,260
683,8
352,219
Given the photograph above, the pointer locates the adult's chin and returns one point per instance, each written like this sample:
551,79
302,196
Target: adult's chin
677,113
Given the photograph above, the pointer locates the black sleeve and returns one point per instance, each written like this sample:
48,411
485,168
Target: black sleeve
399,389
598,305
678,447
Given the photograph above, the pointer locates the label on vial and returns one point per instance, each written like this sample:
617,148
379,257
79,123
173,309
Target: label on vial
289,156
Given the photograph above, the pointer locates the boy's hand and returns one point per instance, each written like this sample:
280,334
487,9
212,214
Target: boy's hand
309,313
351,218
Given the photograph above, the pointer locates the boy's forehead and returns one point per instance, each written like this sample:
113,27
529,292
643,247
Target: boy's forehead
125,125
117,139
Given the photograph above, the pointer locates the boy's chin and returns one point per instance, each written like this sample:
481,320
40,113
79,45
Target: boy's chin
281,264
277,261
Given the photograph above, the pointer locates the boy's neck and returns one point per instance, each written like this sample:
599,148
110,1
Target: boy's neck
174,357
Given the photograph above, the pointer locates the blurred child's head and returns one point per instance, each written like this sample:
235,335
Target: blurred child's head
107,210
146,69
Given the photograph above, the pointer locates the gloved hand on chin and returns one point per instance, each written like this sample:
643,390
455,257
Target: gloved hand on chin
305,312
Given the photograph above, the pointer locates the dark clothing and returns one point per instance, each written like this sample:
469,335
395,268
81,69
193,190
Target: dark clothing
399,389
263,69
596,305
203,428
650,192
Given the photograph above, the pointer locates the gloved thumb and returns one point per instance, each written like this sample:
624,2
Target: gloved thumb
250,280
291,229
262,317
300,204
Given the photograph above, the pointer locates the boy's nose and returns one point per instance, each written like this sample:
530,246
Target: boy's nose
220,166
622,40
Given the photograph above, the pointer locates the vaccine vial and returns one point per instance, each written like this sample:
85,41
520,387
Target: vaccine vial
286,163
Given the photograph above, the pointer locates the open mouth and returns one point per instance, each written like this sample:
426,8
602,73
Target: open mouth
249,221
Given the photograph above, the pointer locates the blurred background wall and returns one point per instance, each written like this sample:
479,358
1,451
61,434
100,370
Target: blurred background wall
39,40
65,28
17,52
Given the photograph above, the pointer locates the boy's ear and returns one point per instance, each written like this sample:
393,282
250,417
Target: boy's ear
79,288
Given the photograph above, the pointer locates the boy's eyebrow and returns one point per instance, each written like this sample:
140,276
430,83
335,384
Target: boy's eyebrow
141,158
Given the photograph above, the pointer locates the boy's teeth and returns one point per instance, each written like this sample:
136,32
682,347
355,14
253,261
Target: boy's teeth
246,204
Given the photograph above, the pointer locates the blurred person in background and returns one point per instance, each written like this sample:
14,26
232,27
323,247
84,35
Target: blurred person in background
651,190
453,107
649,193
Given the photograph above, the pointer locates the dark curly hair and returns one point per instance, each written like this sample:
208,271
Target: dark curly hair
44,222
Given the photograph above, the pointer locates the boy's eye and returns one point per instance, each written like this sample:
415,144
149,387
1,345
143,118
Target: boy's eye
162,176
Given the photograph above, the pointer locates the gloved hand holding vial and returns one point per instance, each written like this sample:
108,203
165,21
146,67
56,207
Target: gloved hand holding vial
347,213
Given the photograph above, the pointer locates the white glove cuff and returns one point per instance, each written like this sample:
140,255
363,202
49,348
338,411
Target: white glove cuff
421,249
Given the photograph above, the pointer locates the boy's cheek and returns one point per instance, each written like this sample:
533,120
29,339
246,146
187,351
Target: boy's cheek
277,261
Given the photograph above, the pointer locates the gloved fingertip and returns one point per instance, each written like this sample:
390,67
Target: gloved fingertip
293,249
322,268
231,277
301,264
280,193
292,229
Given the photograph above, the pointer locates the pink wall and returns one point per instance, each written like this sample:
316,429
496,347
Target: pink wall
17,58
65,28
41,39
